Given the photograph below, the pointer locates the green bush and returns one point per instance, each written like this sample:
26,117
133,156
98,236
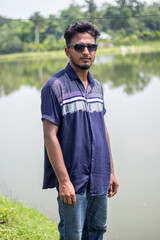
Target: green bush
146,35
156,35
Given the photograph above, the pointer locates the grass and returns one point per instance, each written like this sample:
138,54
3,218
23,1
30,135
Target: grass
32,55
140,47
20,222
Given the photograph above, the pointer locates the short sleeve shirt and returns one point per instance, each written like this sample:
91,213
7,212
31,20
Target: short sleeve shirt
79,115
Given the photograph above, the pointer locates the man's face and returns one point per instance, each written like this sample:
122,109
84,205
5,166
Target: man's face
84,59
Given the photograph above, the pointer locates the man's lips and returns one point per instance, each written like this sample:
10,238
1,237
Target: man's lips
85,58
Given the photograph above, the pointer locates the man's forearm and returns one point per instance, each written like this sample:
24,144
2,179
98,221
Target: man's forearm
66,188
111,159
56,158
113,181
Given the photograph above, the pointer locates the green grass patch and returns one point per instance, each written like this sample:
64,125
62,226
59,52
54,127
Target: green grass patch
20,222
33,55
140,47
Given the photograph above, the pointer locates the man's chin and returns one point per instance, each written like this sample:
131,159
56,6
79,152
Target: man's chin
83,67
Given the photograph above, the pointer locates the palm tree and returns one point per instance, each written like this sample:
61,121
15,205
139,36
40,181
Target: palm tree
91,9
37,19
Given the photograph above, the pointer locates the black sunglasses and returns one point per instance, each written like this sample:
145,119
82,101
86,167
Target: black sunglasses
80,47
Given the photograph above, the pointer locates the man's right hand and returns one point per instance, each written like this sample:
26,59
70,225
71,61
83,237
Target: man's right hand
67,192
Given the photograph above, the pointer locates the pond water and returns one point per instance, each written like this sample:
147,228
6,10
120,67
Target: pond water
132,97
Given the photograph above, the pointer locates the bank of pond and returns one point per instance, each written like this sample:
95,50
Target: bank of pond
141,47
18,221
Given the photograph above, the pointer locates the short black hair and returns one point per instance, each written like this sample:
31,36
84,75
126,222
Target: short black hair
80,27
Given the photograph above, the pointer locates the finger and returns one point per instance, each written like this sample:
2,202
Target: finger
74,199
69,201
61,199
110,191
114,190
110,195
65,200
111,188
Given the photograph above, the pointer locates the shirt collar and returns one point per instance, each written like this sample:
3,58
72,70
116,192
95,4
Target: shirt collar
73,75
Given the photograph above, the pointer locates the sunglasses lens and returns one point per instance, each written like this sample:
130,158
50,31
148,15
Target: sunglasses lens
79,47
92,47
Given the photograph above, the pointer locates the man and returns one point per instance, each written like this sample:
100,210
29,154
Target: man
78,160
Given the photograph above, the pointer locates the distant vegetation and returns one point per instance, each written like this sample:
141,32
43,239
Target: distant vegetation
20,222
127,22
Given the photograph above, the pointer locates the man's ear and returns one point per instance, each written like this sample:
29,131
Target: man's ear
67,52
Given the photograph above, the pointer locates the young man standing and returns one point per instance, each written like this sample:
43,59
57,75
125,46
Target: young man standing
78,160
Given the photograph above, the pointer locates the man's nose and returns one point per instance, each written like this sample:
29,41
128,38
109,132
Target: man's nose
85,51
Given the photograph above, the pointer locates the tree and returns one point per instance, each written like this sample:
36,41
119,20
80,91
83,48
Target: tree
122,14
110,21
70,15
4,20
152,22
9,40
25,31
37,19
52,28
125,11
136,7
91,9
121,4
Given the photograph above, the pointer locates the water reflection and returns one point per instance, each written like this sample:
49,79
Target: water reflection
133,72
13,75
131,89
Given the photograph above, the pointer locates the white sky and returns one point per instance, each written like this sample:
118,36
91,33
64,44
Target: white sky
24,9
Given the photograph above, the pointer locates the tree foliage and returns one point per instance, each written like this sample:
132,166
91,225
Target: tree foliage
126,19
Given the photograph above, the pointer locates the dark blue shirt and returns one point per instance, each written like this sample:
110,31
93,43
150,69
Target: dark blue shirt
79,114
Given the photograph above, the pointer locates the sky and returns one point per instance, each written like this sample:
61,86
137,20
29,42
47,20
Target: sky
24,9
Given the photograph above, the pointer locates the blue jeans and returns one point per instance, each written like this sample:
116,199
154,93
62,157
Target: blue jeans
84,221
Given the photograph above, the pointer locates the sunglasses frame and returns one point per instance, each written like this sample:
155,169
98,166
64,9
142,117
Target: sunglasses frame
94,45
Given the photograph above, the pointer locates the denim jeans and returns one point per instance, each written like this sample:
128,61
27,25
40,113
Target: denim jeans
84,221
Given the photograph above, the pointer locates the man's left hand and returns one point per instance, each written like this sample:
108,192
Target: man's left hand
113,186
